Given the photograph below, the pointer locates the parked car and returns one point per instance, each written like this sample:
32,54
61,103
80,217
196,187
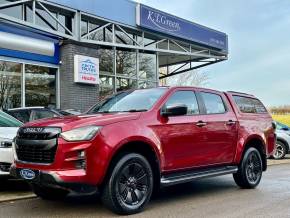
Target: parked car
28,114
8,129
283,141
138,140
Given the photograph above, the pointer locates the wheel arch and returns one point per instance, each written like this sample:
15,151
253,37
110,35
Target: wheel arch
143,148
285,143
258,143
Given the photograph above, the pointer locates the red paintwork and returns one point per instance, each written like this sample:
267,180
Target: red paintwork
177,141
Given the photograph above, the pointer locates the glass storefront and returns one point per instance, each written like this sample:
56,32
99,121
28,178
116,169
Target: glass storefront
40,86
39,83
129,74
126,63
148,66
125,84
107,86
10,84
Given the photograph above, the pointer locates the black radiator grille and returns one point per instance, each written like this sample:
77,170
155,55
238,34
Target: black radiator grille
37,145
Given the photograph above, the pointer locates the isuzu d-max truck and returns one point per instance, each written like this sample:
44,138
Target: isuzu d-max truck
140,140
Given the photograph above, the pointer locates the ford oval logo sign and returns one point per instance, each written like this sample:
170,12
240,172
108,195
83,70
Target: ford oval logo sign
27,174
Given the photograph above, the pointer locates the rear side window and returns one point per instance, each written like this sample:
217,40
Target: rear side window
213,103
249,105
187,98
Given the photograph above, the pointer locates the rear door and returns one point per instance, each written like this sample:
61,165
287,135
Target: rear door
220,128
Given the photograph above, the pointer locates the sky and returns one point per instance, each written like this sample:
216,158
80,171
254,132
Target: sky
259,43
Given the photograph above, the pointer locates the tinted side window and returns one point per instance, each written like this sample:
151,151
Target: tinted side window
187,98
22,115
41,114
249,105
214,103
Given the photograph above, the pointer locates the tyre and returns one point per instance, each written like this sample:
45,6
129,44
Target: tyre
49,193
280,151
129,186
250,169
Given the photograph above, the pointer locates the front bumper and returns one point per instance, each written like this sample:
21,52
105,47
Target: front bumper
6,159
57,179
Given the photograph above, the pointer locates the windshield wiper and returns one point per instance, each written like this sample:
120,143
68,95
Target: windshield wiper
135,110
130,111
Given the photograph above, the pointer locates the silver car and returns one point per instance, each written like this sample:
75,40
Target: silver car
283,141
8,129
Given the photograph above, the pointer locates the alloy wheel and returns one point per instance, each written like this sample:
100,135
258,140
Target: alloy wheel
279,152
253,168
133,184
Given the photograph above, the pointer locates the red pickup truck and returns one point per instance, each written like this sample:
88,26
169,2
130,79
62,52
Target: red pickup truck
138,140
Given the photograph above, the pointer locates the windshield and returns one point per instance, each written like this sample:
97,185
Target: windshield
129,101
8,121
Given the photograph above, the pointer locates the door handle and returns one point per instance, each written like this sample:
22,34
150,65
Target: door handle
201,123
231,122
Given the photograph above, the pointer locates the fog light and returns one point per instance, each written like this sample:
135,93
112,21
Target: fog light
81,164
82,154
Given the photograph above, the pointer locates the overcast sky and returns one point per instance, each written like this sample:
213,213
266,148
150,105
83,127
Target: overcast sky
259,43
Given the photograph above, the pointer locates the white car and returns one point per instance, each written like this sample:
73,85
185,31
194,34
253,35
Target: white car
8,130
283,141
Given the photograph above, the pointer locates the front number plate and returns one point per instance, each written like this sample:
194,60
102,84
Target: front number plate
28,174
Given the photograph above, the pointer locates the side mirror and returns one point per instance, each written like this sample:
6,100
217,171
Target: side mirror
174,110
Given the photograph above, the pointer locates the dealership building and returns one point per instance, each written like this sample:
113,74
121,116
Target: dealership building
69,54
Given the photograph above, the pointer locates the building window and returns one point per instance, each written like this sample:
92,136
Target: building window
126,63
147,66
40,86
125,84
10,85
107,87
106,61
146,84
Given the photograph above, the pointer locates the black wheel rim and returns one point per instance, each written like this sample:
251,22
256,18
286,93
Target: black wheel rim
279,152
253,168
133,184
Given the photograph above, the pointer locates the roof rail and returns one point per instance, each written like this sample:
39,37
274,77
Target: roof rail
241,93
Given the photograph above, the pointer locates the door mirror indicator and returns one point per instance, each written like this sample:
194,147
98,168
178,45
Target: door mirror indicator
174,110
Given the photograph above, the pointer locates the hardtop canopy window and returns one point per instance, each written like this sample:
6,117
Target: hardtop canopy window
249,105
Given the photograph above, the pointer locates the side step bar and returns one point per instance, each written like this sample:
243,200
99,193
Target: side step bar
177,178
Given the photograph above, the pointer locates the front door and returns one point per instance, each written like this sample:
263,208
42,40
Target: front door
182,140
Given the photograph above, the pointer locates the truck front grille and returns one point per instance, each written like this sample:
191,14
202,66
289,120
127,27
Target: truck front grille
37,145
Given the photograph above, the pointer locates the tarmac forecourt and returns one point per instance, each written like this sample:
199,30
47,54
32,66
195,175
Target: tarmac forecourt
13,190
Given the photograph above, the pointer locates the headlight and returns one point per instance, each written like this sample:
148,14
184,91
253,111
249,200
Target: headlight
81,134
5,143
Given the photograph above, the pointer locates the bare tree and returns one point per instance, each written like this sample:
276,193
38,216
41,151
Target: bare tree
285,109
190,78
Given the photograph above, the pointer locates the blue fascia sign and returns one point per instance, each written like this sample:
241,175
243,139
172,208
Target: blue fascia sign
25,43
162,22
